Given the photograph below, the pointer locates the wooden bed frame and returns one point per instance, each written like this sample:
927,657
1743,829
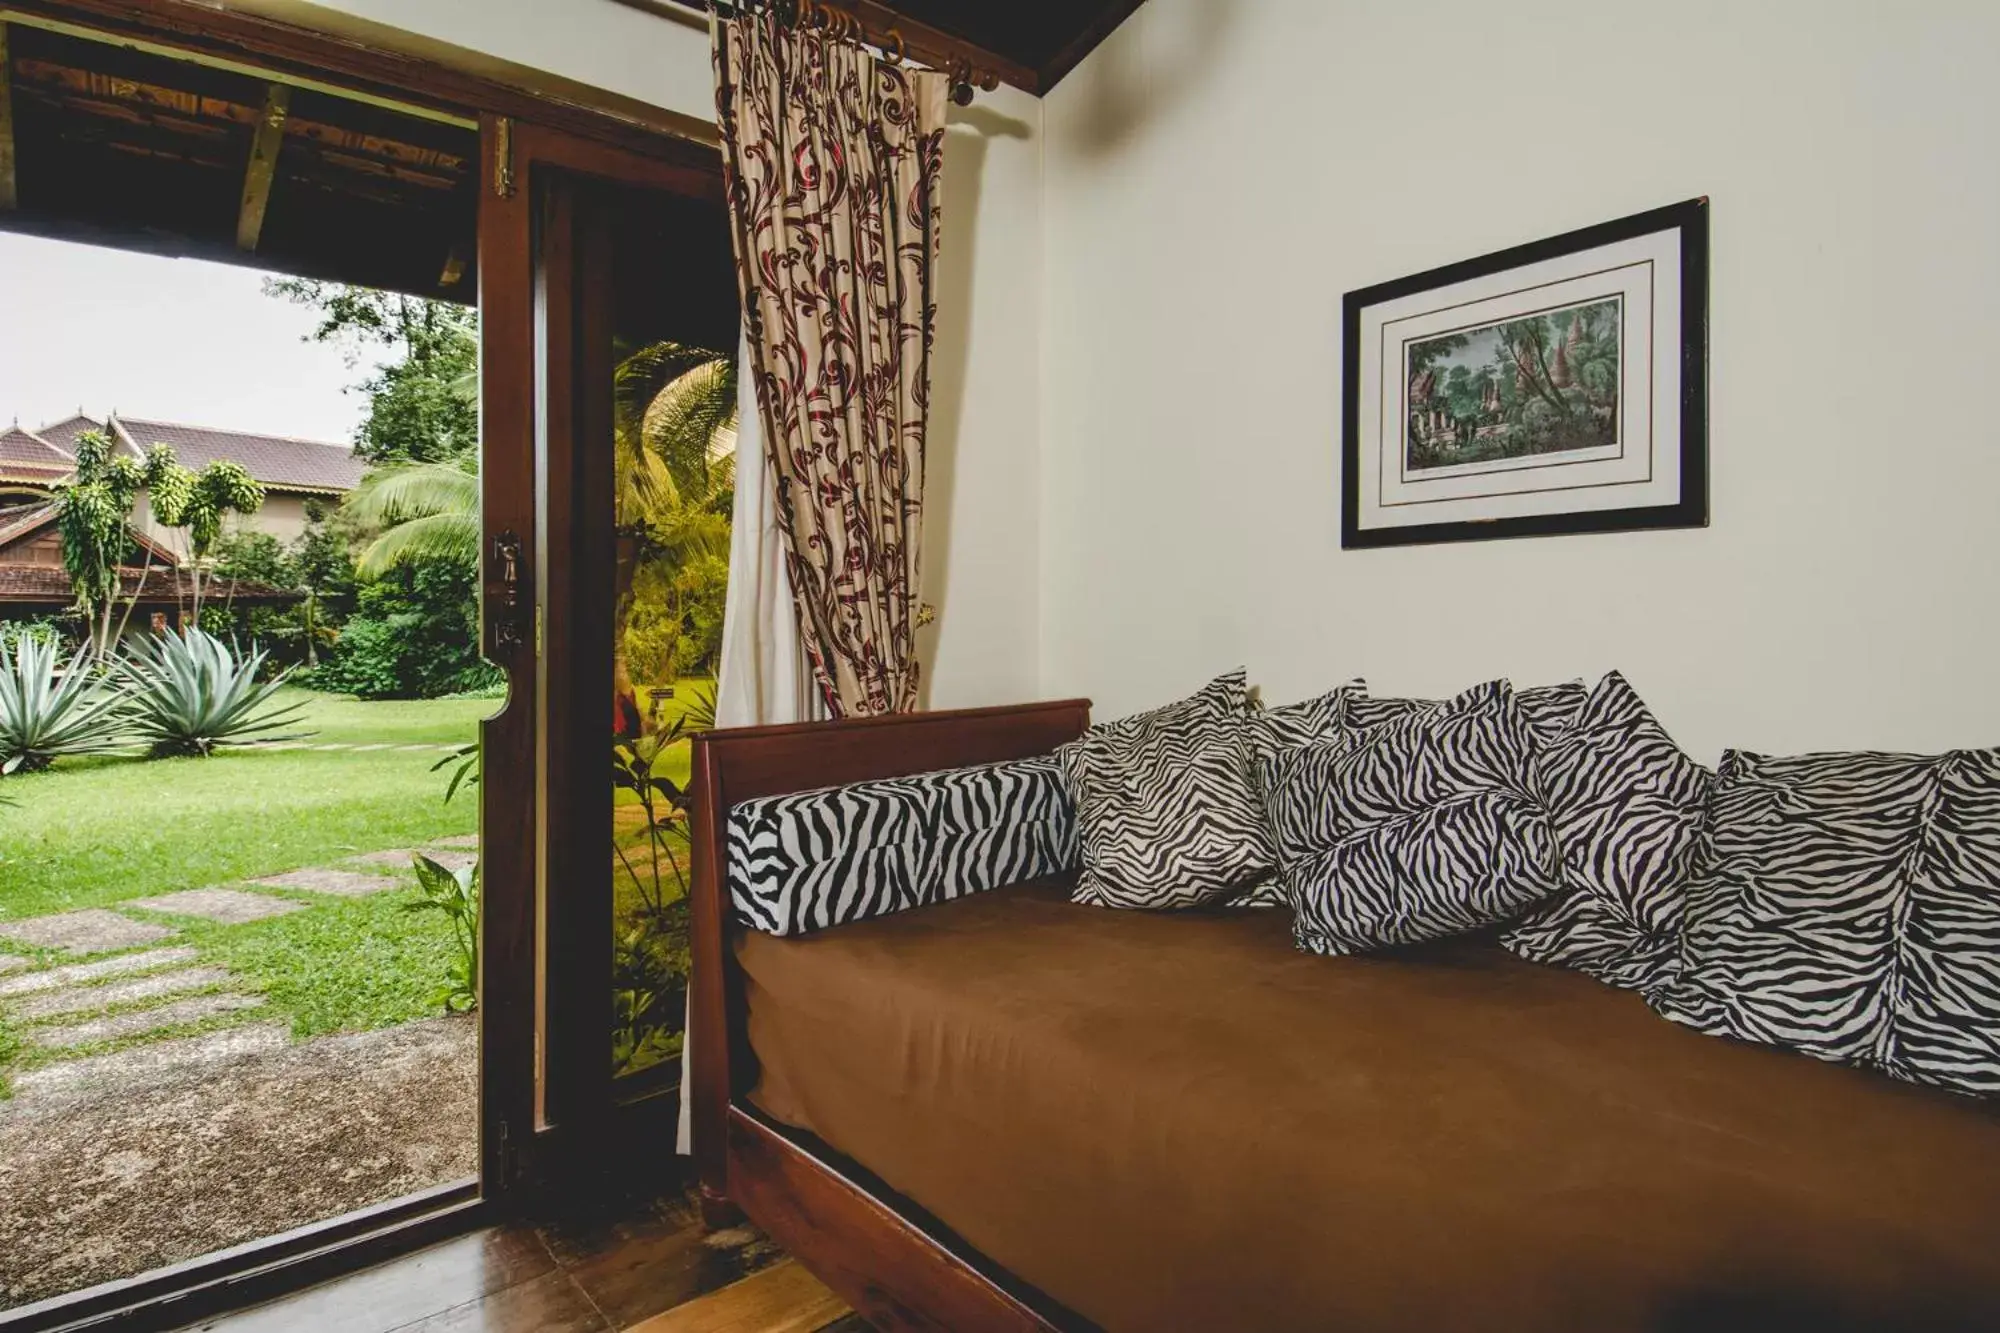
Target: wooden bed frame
895,1264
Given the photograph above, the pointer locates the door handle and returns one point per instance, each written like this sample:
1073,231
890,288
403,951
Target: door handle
505,599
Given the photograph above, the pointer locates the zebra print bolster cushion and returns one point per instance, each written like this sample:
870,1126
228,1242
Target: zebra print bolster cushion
1165,804
1424,826
809,860
1847,906
1627,809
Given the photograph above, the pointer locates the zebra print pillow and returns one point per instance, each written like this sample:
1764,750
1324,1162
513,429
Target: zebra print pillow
1847,906
1165,804
1627,809
1548,709
1453,867
1424,826
809,860
1273,730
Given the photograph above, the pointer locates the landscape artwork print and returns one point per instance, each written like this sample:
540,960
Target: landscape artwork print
1547,389
1539,384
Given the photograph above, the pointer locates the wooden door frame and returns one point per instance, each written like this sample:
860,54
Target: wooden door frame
552,1109
520,131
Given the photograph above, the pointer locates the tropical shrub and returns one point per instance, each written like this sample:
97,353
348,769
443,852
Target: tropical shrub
454,894
47,711
188,692
414,634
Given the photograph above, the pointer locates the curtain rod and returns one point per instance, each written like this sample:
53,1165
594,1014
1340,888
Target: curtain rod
930,49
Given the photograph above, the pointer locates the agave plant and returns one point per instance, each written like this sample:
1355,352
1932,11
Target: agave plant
47,712
188,692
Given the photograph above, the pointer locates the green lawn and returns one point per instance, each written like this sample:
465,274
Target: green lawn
92,832
98,832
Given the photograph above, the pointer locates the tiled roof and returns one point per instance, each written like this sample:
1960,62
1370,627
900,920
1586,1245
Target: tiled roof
62,434
278,461
27,456
49,585
18,521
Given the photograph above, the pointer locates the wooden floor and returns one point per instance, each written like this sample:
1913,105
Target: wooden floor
651,1269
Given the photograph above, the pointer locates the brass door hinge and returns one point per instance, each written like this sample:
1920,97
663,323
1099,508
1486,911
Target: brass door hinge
503,157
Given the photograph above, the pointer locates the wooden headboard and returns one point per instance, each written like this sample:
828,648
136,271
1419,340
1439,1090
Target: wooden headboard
743,763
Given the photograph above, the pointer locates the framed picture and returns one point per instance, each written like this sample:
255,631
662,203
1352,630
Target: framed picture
1553,388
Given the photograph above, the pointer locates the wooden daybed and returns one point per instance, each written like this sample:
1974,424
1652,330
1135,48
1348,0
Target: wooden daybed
1008,1112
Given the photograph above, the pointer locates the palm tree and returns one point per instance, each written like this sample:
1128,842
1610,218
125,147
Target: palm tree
420,512
675,432
675,414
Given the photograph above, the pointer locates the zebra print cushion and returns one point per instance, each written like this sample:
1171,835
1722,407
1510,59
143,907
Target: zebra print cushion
1427,825
1948,1002
1847,906
1548,709
1165,804
808,860
1456,866
1274,730
1627,809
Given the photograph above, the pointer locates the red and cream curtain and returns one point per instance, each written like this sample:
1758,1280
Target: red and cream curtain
832,160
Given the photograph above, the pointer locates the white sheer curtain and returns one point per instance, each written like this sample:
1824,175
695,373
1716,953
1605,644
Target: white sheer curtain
764,676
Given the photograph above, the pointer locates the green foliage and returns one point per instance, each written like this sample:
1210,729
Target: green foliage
421,512
42,629
414,634
93,518
188,692
420,405
675,419
455,895
47,712
650,949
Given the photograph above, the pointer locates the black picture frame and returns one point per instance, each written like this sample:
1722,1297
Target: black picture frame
1690,219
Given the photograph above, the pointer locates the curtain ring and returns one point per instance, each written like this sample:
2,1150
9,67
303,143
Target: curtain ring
894,55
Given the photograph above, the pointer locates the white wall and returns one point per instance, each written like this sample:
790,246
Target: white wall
1221,171
983,486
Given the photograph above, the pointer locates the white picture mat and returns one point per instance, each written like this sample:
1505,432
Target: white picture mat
1644,471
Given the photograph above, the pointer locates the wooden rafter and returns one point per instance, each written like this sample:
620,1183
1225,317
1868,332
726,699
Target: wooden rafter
263,168
10,195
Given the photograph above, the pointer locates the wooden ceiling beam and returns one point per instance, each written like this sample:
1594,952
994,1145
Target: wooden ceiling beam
10,192
263,166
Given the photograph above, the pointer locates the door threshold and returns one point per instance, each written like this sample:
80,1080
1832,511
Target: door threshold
259,1270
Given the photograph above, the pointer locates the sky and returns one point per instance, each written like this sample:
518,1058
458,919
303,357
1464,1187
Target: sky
162,339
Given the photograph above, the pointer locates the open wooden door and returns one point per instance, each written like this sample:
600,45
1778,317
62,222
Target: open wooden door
624,256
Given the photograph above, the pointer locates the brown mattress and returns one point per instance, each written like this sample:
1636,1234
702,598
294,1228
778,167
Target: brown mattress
1180,1122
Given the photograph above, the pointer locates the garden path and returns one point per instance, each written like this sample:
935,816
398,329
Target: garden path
108,993
134,1045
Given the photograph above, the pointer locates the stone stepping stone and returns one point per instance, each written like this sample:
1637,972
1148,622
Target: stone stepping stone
144,1066
364,749
410,749
75,974
180,1012
231,907
462,840
93,930
337,745
12,962
400,859
88,999
340,883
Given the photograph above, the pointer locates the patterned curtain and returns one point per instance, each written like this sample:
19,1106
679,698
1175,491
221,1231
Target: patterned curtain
832,162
